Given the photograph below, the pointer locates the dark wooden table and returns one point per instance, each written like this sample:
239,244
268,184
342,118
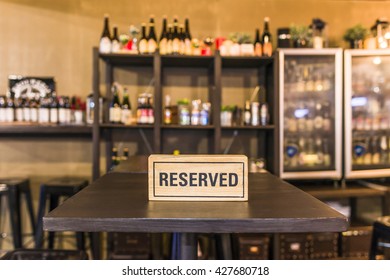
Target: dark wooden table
118,202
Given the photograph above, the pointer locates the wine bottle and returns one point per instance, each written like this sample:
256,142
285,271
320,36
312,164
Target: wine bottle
10,110
167,110
34,110
247,113
115,106
2,108
181,39
67,110
267,39
170,39
105,39
18,109
187,38
26,110
257,43
43,114
143,41
152,39
175,37
115,44
164,37
126,108
264,114
54,109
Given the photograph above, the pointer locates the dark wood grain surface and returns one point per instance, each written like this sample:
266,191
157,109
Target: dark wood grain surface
119,202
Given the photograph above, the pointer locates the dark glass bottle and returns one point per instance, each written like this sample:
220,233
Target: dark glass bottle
164,37
170,39
181,39
105,38
257,43
115,106
115,44
143,41
175,37
152,39
126,108
266,39
187,38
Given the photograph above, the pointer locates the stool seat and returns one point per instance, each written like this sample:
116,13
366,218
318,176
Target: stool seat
52,190
380,232
14,189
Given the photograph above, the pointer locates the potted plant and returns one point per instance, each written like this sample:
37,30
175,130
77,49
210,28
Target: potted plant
246,44
355,36
300,35
234,48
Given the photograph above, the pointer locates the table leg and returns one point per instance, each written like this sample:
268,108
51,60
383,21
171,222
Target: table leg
188,246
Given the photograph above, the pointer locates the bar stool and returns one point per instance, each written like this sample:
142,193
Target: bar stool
13,189
380,232
53,190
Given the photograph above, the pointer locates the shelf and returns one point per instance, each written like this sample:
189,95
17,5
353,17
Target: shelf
189,61
25,128
124,59
245,61
123,126
250,127
177,126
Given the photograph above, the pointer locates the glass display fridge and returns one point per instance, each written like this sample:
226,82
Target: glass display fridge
310,100
367,113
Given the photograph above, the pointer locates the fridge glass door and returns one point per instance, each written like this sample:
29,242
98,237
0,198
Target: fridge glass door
370,105
309,113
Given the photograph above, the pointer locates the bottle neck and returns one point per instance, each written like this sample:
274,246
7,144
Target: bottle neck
106,29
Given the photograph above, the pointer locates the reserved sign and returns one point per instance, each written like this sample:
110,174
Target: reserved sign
198,177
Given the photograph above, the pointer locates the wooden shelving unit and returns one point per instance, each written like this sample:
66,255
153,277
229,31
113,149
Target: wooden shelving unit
212,65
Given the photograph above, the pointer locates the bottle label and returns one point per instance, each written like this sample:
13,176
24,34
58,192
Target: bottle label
359,149
43,115
9,114
292,150
258,49
105,45
2,115
26,114
163,46
68,115
169,46
53,115
264,114
142,116
19,114
152,46
204,117
176,46
267,49
34,114
167,116
318,122
62,115
115,46
195,118
150,116
126,116
143,46
115,114
247,117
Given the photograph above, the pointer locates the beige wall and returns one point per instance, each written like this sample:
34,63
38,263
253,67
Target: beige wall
55,38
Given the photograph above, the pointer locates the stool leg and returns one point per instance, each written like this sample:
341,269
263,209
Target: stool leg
80,240
53,204
41,211
374,243
14,206
28,197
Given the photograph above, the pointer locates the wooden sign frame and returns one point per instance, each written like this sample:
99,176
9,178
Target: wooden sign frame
198,177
